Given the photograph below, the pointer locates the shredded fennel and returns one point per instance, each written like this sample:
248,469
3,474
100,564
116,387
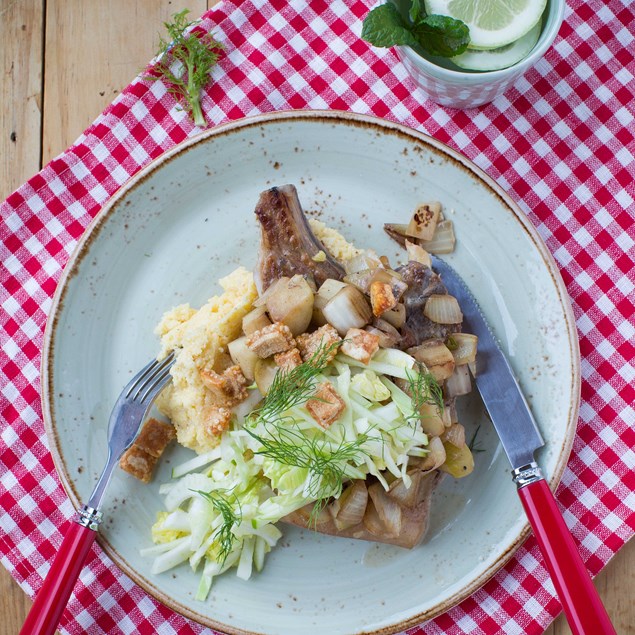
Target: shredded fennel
277,459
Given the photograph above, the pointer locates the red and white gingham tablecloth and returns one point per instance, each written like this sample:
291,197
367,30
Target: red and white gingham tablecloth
561,143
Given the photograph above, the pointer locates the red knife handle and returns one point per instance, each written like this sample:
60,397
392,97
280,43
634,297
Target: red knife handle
52,598
581,603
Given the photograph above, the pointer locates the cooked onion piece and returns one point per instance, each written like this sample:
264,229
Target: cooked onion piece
395,316
391,335
455,435
388,510
418,254
367,260
443,240
407,495
290,301
436,456
385,340
264,372
326,291
365,278
347,309
424,221
432,422
361,279
463,347
437,358
255,320
459,383
242,355
443,309
350,507
398,231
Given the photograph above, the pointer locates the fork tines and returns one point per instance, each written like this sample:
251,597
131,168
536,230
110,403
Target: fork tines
152,378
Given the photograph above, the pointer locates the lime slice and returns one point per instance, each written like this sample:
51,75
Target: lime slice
502,57
492,23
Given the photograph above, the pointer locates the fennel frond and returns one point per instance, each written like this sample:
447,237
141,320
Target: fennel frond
224,536
326,462
293,387
424,389
185,62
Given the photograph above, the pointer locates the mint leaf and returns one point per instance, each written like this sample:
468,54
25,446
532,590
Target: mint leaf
417,12
385,27
441,35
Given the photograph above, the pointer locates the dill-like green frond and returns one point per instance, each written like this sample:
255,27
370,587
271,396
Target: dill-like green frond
185,63
231,514
285,443
424,389
293,387
474,445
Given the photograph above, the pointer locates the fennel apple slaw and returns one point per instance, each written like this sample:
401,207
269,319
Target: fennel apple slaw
308,409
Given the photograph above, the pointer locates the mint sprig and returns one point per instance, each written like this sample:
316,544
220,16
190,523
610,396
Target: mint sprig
437,35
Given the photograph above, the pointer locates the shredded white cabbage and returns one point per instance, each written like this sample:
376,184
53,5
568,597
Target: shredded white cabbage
225,515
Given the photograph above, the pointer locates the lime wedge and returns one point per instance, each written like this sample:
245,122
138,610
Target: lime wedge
492,23
502,57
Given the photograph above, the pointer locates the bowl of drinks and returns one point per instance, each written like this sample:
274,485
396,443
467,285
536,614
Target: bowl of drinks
466,53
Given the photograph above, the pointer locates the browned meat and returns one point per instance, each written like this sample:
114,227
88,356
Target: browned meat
288,245
422,283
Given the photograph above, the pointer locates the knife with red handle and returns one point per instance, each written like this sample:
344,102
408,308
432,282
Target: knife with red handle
520,438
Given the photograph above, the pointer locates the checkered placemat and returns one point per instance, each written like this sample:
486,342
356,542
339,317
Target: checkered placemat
561,143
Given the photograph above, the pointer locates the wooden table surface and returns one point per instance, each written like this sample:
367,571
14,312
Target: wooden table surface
62,62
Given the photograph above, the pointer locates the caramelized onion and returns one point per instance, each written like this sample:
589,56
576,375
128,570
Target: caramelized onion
385,340
388,330
290,301
347,309
407,496
418,254
436,356
443,309
435,457
396,316
326,291
464,349
455,435
459,382
349,508
366,260
361,279
424,221
443,240
387,509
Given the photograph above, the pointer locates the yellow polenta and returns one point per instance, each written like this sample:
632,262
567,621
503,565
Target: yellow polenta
333,241
200,337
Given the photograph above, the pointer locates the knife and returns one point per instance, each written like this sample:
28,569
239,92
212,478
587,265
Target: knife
520,438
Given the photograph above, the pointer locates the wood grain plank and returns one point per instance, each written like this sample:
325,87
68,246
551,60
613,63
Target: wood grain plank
616,586
21,55
93,50
21,36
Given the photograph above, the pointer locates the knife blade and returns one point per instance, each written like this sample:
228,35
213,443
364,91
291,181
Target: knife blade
495,378
520,438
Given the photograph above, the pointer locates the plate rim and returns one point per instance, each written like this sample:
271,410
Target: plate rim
327,116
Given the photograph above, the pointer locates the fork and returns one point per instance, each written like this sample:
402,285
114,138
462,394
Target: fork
125,420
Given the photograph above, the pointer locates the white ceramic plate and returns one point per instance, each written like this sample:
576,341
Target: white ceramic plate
186,220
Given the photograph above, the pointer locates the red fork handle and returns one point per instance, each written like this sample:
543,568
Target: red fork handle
52,598
581,603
